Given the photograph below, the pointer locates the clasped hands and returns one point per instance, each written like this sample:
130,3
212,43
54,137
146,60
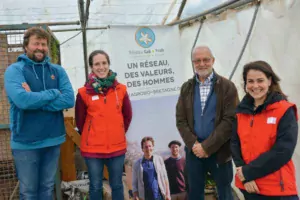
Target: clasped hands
199,151
250,186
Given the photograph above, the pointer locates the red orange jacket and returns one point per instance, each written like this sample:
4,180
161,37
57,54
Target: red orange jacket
263,143
105,122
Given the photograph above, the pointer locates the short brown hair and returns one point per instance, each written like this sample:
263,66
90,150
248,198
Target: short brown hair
38,32
145,139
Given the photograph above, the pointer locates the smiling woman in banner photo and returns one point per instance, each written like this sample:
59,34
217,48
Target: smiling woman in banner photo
103,114
264,137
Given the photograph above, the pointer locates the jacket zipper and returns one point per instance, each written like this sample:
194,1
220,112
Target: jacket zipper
89,128
252,121
207,100
107,139
104,100
251,125
281,181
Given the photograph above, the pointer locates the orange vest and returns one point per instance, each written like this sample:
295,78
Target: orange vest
103,130
260,138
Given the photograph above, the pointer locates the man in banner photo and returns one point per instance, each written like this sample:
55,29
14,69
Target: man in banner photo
175,165
204,115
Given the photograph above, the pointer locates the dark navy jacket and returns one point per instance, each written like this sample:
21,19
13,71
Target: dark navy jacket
204,121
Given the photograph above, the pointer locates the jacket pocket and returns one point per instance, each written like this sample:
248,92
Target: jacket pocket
95,133
118,134
271,179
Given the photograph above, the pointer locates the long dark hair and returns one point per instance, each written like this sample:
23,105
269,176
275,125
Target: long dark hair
96,52
265,68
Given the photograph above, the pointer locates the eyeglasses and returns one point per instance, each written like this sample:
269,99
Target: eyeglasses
205,61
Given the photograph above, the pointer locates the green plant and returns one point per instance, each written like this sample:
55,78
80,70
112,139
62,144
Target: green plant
54,51
210,181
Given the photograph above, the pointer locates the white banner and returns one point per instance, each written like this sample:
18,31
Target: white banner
147,60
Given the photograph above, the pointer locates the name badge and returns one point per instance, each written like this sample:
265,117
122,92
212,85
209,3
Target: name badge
271,120
94,98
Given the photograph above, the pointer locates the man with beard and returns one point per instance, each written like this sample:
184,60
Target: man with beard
204,115
175,165
37,91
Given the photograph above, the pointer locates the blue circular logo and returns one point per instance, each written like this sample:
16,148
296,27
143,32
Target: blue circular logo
145,37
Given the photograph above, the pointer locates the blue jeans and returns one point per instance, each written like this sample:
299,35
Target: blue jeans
115,170
251,196
197,169
36,171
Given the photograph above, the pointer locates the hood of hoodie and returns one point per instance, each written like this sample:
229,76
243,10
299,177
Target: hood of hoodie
247,104
30,63
24,58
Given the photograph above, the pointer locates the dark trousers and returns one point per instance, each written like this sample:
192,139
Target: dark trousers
251,196
197,169
115,170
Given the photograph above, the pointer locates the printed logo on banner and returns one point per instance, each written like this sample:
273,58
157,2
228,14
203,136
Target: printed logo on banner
145,37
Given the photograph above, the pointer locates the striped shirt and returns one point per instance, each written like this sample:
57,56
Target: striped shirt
205,89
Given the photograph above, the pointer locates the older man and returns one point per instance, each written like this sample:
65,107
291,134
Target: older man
204,114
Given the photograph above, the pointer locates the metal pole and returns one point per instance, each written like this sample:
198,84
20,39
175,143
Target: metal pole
168,13
219,7
63,30
87,12
58,23
52,23
235,5
80,29
183,3
84,40
11,27
85,53
58,183
246,41
196,39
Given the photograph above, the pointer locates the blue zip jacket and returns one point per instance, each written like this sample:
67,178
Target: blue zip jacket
37,115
